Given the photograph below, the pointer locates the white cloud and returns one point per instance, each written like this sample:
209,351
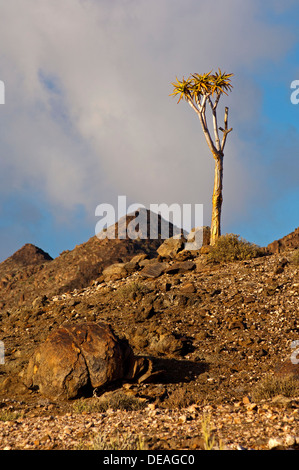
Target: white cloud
88,111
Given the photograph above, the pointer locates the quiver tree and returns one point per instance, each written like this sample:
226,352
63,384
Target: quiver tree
198,90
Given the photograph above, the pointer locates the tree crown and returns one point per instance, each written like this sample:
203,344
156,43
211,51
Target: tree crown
202,85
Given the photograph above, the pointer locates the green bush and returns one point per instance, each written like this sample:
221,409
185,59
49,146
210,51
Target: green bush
231,247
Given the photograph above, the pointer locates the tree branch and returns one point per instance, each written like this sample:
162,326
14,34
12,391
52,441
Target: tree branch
225,130
191,102
216,101
213,108
203,110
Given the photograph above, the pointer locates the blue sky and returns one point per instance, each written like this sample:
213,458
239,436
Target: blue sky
88,117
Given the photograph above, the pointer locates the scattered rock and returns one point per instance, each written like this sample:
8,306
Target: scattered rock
214,330
280,266
275,444
188,288
290,440
181,267
171,247
145,312
131,267
153,270
115,271
138,258
40,301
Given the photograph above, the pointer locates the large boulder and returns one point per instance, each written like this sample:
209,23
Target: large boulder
77,358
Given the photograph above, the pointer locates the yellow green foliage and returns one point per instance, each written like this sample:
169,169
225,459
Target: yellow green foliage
231,247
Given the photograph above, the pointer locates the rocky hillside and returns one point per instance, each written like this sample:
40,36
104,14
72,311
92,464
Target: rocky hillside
219,336
30,272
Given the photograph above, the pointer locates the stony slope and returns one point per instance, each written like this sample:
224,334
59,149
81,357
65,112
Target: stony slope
30,272
216,331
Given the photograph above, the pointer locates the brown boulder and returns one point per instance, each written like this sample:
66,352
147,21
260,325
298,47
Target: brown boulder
77,358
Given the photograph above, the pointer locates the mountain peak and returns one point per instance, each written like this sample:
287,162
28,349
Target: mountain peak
141,224
30,254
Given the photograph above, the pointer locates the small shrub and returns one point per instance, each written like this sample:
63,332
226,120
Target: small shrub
181,398
115,401
8,415
131,291
231,247
122,441
207,429
121,401
83,405
271,386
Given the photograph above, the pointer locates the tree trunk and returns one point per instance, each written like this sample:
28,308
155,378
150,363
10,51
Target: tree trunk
217,198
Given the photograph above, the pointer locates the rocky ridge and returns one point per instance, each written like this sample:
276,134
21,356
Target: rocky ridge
289,242
214,332
30,272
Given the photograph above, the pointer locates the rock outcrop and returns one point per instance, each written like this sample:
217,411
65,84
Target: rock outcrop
75,359
289,242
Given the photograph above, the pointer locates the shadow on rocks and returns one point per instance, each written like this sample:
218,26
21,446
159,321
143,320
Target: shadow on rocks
173,371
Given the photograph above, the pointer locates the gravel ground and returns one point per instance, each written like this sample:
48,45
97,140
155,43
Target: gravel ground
228,328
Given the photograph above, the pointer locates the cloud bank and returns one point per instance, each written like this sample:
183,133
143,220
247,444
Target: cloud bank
88,114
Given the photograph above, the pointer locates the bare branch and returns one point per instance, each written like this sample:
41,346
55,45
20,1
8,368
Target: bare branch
191,102
203,109
217,140
216,101
225,130
201,101
202,118
226,117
